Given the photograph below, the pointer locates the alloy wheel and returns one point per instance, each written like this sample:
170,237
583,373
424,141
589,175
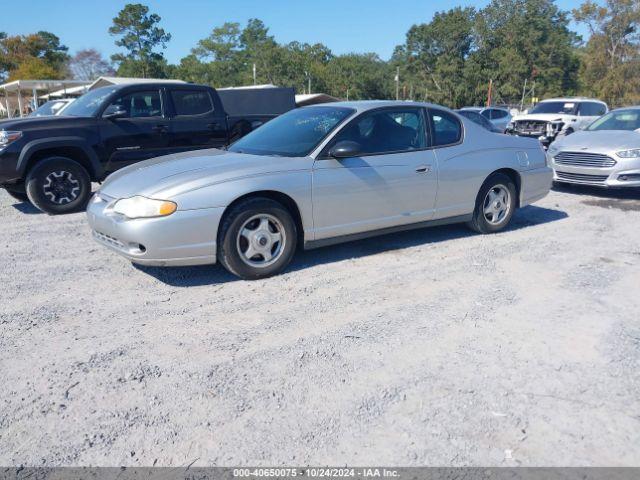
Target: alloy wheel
61,187
261,240
497,204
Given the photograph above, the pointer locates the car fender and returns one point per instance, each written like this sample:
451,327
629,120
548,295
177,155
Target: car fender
37,145
295,184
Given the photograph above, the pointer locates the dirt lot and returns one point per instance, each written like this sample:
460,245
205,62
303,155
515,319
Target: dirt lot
435,347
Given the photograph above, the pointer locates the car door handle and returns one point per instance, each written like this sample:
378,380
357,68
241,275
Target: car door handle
423,169
160,128
213,125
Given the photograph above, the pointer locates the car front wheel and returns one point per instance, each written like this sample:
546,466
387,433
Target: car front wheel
495,204
257,239
58,185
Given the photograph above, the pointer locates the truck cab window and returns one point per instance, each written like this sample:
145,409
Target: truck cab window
137,105
191,102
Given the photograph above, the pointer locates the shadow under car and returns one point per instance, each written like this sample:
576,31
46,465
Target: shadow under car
528,216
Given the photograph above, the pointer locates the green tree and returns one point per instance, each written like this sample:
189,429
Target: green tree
259,49
41,53
432,60
217,59
139,34
525,39
610,66
359,76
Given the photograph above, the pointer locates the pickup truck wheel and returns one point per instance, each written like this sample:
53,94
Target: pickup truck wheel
495,204
58,185
257,239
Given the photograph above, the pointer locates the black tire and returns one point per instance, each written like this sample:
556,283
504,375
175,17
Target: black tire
495,183
20,196
58,185
231,242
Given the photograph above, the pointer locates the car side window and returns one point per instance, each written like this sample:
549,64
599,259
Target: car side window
137,105
447,129
191,102
494,114
591,109
386,131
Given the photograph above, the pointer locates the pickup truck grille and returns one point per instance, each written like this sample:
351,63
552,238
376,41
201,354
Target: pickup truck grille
583,159
530,127
582,178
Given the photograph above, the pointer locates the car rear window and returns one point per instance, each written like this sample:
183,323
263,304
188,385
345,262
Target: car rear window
447,129
591,109
191,102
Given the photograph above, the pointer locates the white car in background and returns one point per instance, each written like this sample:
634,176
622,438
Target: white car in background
52,107
557,117
604,154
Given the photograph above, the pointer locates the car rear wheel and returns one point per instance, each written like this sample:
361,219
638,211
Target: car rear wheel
495,204
257,239
58,185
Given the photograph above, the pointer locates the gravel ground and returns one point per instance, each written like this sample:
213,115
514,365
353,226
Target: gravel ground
433,347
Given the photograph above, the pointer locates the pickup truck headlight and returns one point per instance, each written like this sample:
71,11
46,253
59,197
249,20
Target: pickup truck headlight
635,153
7,137
142,207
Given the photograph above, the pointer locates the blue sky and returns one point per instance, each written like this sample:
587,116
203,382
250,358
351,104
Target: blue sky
343,25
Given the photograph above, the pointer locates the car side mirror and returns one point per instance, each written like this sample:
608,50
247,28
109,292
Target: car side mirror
346,149
114,115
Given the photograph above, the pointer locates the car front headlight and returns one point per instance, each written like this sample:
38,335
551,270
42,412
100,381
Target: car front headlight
635,153
7,137
142,207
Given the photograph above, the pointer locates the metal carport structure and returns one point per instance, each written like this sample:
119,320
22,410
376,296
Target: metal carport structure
33,87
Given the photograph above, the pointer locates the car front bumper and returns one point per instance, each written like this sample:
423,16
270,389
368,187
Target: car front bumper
9,173
187,237
625,174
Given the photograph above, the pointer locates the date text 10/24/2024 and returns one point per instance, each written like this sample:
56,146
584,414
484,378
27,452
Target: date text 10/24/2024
315,472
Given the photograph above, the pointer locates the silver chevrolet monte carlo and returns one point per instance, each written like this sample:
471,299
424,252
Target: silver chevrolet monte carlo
605,154
316,176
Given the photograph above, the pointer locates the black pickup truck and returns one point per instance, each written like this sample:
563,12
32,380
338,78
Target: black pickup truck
51,161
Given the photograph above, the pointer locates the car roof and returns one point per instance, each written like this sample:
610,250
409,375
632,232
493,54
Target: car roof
632,107
151,84
363,105
482,109
572,99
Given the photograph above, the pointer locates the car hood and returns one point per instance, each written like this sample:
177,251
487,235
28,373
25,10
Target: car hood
33,123
172,175
543,117
600,141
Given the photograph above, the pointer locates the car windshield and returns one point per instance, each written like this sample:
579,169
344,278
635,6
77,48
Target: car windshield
294,134
568,108
618,120
89,103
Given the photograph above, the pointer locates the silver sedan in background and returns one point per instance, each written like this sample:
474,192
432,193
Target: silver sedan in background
316,176
605,154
